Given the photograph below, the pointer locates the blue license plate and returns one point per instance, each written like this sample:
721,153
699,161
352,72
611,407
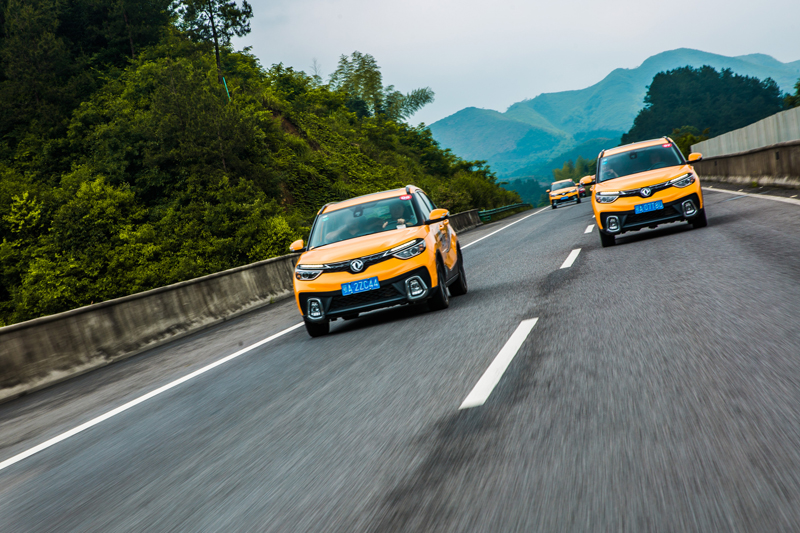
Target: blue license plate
361,285
649,206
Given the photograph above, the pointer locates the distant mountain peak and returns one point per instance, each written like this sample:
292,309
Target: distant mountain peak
535,129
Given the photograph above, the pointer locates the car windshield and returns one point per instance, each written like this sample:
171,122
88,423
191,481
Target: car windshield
362,219
642,160
561,185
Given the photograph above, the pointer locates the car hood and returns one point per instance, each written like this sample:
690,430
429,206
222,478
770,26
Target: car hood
565,190
642,179
361,246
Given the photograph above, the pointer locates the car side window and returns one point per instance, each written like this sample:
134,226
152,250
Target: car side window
427,203
423,205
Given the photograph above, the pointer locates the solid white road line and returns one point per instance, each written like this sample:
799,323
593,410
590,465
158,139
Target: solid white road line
480,393
501,229
114,412
571,258
589,228
762,196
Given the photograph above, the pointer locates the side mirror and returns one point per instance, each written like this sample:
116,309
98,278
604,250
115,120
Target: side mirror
297,246
548,190
437,215
695,156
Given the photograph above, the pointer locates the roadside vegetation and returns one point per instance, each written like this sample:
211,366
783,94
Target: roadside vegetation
693,104
138,149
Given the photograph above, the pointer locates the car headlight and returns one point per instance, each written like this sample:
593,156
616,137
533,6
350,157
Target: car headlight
307,272
408,250
683,181
606,197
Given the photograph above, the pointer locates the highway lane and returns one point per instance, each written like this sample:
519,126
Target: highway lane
657,390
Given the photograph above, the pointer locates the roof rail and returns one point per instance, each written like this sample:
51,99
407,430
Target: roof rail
321,209
408,189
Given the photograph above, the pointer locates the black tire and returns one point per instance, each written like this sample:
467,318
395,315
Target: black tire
440,299
553,205
606,240
699,220
459,286
317,329
579,198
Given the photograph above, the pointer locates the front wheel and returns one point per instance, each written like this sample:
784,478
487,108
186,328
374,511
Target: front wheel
579,199
553,205
317,329
459,287
699,220
606,240
440,300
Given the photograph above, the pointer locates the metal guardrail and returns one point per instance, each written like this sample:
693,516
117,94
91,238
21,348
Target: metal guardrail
486,216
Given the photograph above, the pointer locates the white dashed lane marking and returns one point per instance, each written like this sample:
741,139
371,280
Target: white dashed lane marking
480,393
589,228
571,258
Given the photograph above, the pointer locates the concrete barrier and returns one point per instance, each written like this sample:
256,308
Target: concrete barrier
779,128
777,165
49,349
465,221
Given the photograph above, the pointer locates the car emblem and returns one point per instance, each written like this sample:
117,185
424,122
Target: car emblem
356,265
645,192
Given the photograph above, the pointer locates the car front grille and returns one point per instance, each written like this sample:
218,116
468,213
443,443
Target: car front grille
652,216
364,298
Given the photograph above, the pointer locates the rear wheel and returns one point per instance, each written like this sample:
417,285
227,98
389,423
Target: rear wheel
459,287
440,300
317,329
699,221
606,240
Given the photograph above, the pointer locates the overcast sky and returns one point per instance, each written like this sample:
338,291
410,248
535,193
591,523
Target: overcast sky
492,53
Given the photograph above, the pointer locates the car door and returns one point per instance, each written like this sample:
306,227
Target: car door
445,236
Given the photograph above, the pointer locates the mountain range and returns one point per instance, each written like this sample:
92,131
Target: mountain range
545,130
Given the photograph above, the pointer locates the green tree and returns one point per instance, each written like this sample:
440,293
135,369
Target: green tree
686,136
359,76
215,21
721,101
793,100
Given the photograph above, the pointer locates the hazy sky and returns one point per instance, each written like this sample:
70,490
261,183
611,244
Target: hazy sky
492,53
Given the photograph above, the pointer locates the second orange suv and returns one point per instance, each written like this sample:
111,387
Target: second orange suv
374,251
643,185
562,192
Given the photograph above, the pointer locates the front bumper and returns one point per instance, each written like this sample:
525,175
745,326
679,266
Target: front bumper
631,221
572,197
392,292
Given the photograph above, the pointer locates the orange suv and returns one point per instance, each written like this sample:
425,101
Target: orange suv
379,250
644,185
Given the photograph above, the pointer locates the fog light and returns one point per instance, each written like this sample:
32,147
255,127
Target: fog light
315,308
415,288
688,208
612,223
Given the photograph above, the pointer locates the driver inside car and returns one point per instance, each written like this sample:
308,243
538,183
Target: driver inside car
397,220
656,160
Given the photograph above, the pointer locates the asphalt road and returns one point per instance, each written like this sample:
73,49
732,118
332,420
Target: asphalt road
659,390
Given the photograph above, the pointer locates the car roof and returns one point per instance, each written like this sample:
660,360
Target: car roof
636,146
382,195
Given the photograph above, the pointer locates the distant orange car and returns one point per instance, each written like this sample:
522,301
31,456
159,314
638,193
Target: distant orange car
644,185
562,192
379,250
